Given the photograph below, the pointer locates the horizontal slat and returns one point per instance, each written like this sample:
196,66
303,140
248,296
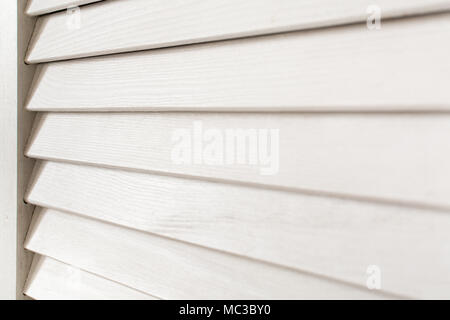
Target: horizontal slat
106,28
50,279
332,237
346,68
170,269
38,7
393,157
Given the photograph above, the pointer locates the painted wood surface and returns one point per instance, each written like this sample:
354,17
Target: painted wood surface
38,7
359,70
335,238
399,158
8,154
171,269
24,124
50,279
361,181
15,126
130,25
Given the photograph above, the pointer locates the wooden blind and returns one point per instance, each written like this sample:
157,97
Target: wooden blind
363,172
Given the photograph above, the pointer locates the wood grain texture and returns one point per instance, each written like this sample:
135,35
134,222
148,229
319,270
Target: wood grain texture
358,69
50,279
386,157
170,269
332,237
106,27
38,7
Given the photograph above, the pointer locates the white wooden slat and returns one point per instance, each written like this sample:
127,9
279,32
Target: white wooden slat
50,279
129,25
170,269
389,157
38,7
333,237
345,68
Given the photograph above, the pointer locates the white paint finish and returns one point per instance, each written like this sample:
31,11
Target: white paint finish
388,157
170,269
38,7
53,280
129,25
25,165
345,68
8,147
332,237
15,125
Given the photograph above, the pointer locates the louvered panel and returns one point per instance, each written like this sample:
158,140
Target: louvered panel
388,157
38,7
353,175
404,66
105,28
50,279
171,269
333,237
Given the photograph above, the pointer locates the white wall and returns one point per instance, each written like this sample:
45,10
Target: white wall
8,146
15,124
